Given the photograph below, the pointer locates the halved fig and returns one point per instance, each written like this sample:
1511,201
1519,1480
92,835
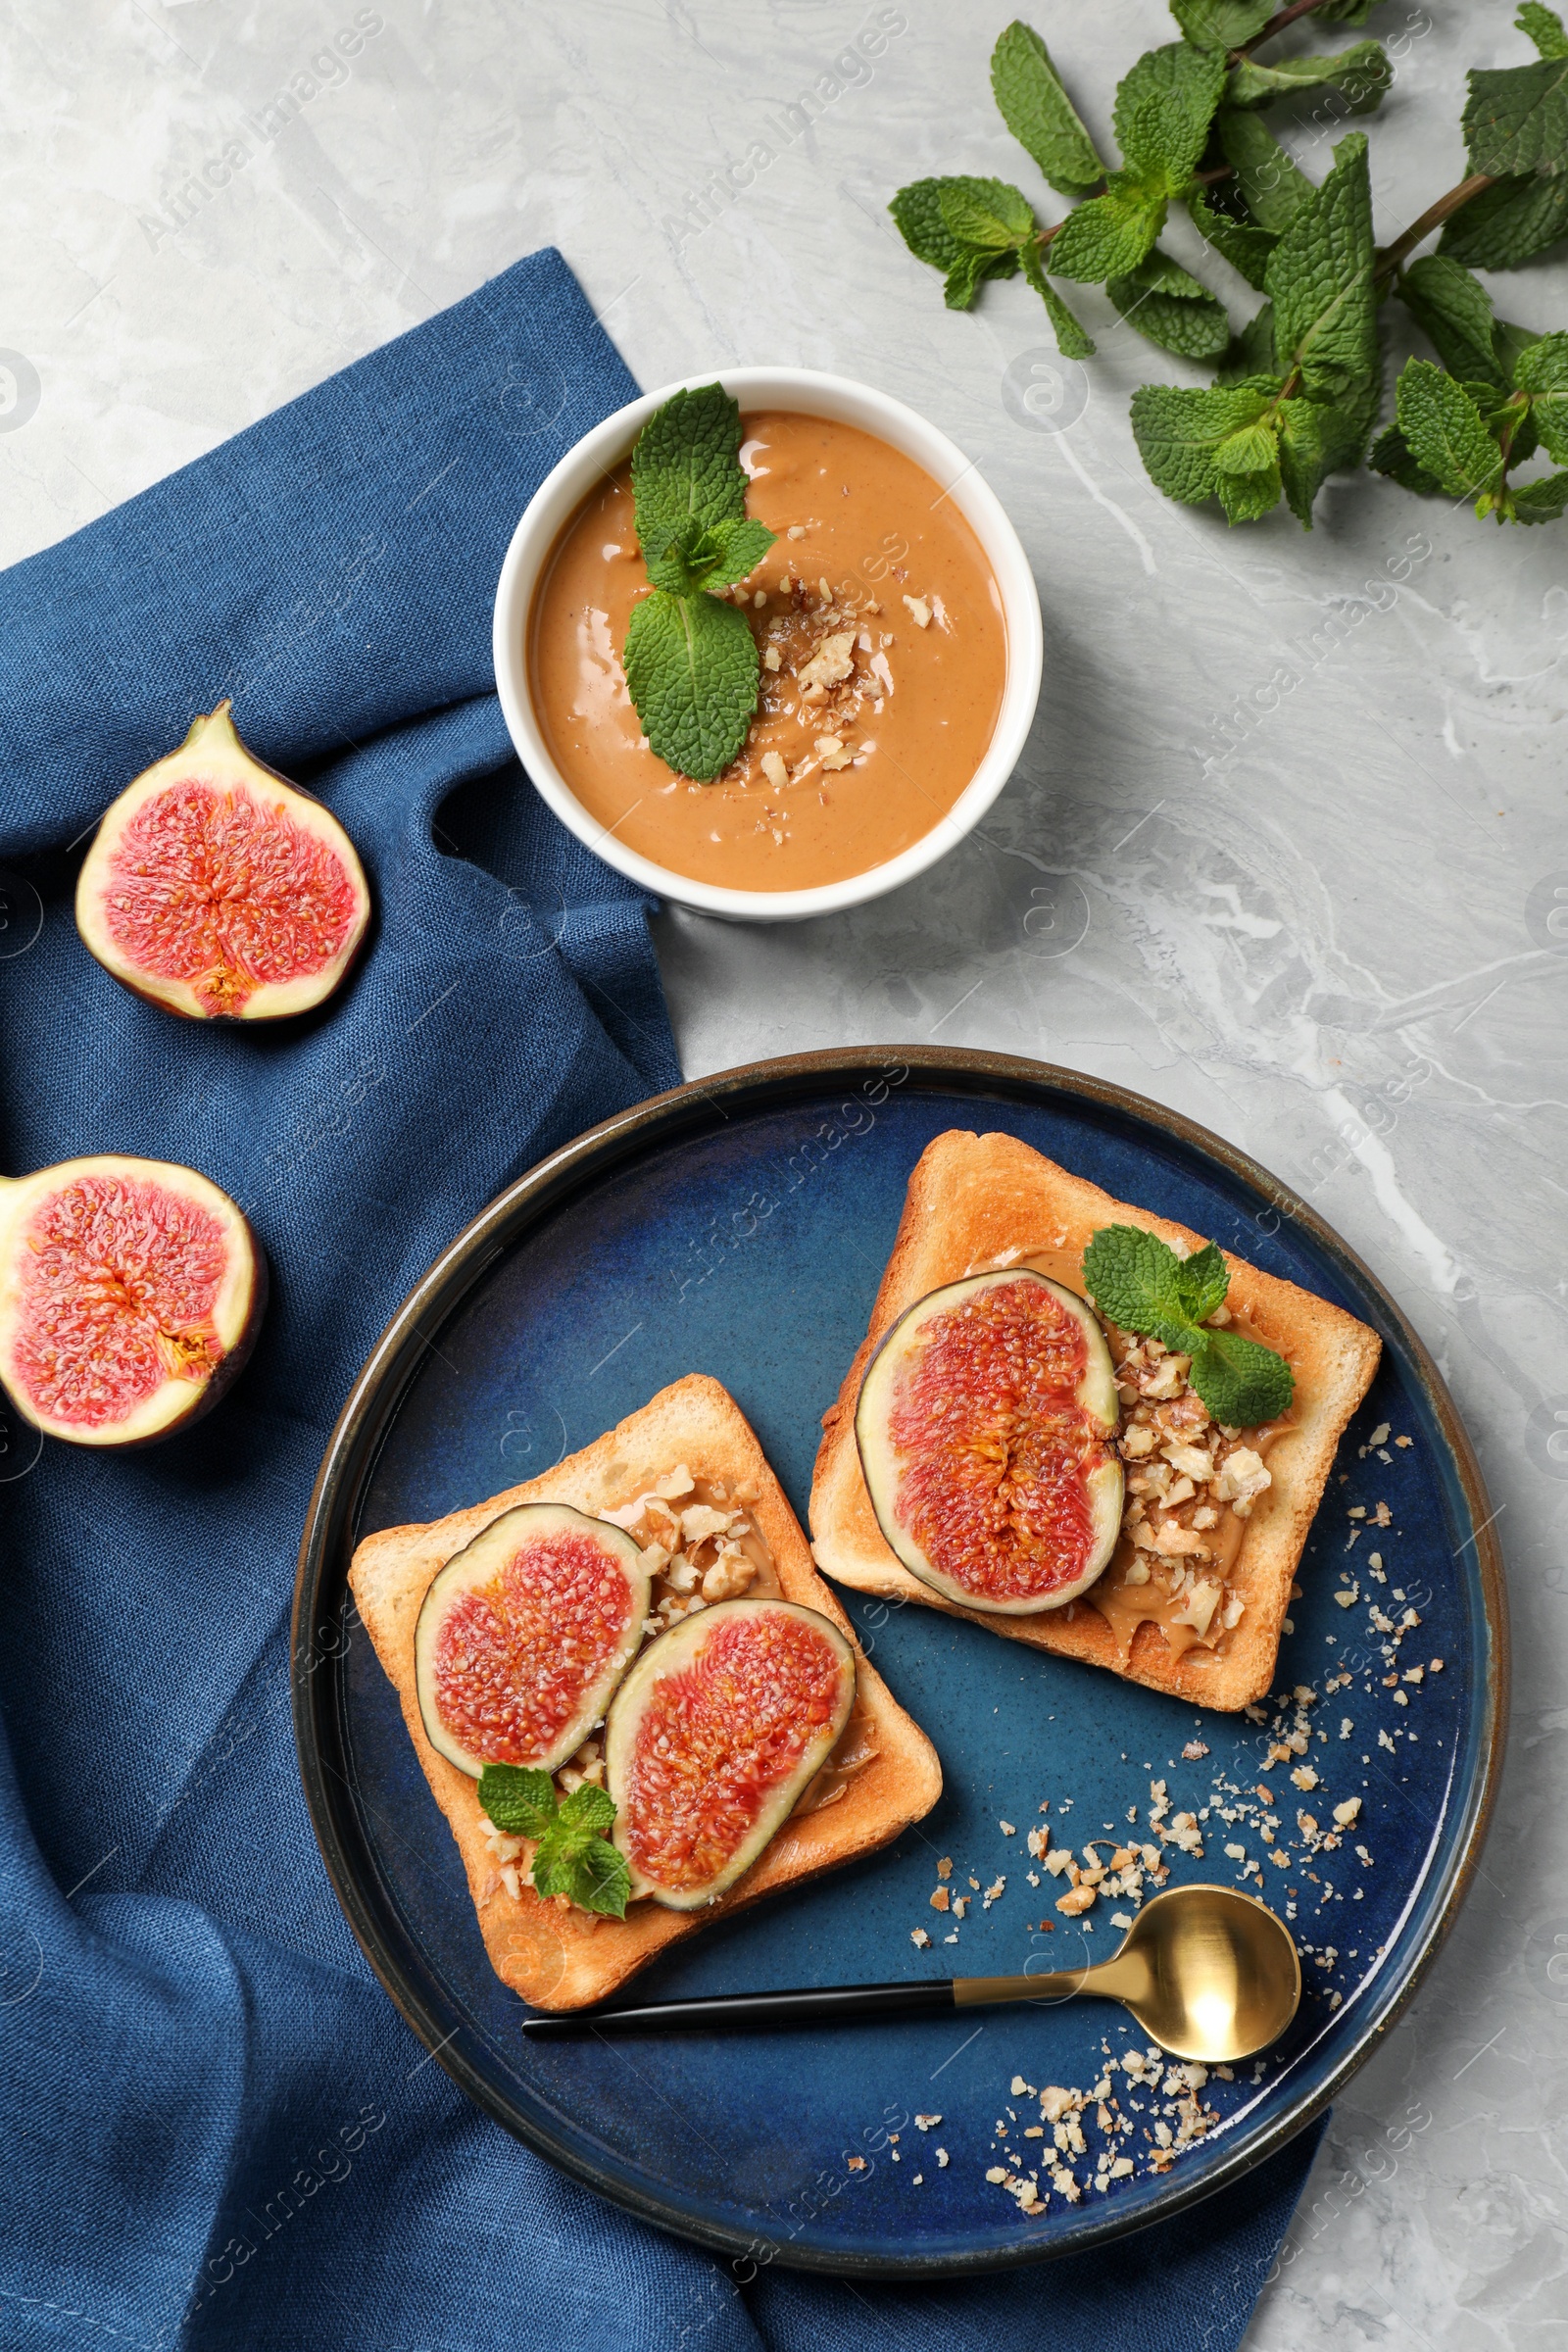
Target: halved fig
130,1295
713,1736
984,1425
219,890
523,1635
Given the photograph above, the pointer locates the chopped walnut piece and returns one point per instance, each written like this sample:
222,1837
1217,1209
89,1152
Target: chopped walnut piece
920,612
832,662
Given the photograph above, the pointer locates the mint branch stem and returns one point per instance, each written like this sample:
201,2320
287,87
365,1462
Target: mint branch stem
1276,23
1394,255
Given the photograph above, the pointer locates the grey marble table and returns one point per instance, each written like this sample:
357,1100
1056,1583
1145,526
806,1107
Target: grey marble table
1288,850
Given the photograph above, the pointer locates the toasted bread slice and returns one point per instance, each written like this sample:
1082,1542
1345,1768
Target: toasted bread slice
554,1956
974,1200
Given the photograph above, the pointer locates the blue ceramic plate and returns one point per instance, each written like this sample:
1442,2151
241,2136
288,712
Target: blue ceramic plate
740,1227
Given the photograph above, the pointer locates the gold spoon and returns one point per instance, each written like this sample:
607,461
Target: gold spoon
1209,1972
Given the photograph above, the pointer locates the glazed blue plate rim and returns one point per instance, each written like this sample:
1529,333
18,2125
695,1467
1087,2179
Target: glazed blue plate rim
369,1416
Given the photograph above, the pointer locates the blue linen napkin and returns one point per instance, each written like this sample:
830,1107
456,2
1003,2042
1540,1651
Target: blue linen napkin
187,2026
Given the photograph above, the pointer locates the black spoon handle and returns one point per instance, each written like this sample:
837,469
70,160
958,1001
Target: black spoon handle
816,2005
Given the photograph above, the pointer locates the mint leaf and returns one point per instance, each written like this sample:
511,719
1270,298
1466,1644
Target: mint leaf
1550,416
986,213
1109,234
1545,28
740,548
588,1807
1320,279
1253,448
1541,371
692,669
684,469
709,556
1444,431
1319,438
1542,366
1540,502
1347,12
1071,339
1133,1278
586,1868
1246,472
519,1801
970,273
1246,247
1203,1280
1163,110
1039,113
1391,455
1178,431
1516,120
1455,311
1362,75
1275,187
1508,224
1166,303
576,1858
917,211
1243,1384
1221,24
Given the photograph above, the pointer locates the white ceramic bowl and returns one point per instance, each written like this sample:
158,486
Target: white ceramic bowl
562,491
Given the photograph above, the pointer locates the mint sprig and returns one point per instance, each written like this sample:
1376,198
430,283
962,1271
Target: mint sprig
1137,1282
1457,437
573,1853
691,665
1190,119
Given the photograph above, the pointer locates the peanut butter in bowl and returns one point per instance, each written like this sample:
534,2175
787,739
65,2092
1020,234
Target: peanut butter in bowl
884,650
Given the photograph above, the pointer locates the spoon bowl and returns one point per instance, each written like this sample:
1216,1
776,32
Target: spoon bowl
1209,1972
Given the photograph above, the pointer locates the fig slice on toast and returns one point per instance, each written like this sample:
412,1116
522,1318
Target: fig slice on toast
984,1423
713,1736
525,1635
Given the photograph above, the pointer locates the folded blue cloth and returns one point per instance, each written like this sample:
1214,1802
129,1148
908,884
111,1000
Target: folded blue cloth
187,2028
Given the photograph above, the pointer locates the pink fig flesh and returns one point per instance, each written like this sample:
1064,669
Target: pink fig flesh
713,1736
219,890
130,1295
523,1635
984,1425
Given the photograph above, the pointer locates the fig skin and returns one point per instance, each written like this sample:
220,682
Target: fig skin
237,1313
477,1565
667,1654
211,754
1095,1394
